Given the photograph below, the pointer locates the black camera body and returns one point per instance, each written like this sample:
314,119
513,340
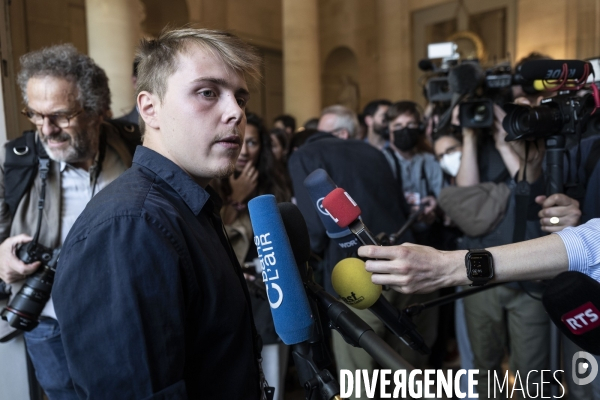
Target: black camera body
476,113
558,115
25,308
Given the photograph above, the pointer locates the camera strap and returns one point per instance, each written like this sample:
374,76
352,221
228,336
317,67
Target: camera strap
522,195
44,169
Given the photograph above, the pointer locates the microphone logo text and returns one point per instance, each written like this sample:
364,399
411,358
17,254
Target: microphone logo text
582,319
266,255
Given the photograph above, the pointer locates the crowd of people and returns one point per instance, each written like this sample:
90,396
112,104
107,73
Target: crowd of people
155,292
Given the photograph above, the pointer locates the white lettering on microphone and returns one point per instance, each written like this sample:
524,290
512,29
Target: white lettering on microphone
266,255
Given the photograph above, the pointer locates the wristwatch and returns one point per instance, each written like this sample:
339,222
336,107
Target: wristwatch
480,266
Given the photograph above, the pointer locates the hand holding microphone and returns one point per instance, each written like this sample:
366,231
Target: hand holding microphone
352,283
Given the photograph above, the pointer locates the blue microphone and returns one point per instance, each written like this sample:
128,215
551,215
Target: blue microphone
319,184
285,291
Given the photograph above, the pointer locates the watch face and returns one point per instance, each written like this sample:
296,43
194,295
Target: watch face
481,266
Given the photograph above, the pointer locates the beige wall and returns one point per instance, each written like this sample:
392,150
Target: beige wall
35,24
379,34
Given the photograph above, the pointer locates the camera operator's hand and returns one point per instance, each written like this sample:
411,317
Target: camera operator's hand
428,215
411,268
558,206
509,157
11,268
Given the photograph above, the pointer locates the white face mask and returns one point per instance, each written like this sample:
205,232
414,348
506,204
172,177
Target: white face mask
450,163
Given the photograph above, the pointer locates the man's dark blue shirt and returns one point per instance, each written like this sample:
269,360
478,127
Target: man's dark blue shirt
149,302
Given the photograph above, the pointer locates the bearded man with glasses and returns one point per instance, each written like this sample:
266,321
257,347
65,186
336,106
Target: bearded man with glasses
68,101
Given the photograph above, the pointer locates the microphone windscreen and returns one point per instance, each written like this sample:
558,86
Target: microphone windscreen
341,207
465,78
319,184
426,65
572,300
297,232
352,282
285,291
551,69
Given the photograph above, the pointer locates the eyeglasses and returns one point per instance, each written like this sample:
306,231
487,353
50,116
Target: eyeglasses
60,120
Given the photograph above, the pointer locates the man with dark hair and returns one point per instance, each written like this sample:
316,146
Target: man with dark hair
365,174
285,122
163,310
374,115
67,98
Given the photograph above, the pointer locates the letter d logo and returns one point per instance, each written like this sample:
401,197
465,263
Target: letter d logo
591,364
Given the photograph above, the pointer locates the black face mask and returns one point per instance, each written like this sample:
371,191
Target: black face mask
406,138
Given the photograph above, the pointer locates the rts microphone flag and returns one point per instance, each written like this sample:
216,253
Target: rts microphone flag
289,305
319,184
572,300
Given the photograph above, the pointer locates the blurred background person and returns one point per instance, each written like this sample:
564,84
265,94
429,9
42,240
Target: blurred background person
256,173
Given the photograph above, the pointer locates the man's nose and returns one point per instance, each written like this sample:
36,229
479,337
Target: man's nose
48,127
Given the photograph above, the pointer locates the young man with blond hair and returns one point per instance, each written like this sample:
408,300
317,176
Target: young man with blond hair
150,298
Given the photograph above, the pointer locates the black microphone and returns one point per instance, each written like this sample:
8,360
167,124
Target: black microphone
462,80
426,65
344,320
533,70
572,300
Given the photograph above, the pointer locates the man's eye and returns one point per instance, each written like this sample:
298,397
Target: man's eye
242,102
208,93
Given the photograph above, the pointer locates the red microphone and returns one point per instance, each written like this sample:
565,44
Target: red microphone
346,213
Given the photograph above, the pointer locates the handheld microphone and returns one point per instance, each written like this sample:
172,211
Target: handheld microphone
346,214
572,300
354,329
287,298
533,70
352,283
319,184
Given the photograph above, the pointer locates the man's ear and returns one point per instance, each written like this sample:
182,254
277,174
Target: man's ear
368,120
149,106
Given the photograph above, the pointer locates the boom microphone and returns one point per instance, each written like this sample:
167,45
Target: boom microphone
352,283
287,298
533,70
426,65
462,80
346,213
319,184
465,78
572,300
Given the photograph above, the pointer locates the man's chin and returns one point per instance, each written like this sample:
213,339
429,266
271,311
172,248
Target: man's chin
226,171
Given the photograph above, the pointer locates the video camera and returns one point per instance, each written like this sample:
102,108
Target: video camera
565,114
24,310
467,83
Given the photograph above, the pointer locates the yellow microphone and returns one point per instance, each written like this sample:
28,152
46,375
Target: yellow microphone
543,85
352,282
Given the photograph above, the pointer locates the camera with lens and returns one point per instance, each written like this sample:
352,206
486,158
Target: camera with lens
25,308
558,115
478,110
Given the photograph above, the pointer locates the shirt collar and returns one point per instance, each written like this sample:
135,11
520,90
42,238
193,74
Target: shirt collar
194,195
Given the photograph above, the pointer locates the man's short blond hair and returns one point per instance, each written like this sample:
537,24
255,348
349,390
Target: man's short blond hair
158,57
